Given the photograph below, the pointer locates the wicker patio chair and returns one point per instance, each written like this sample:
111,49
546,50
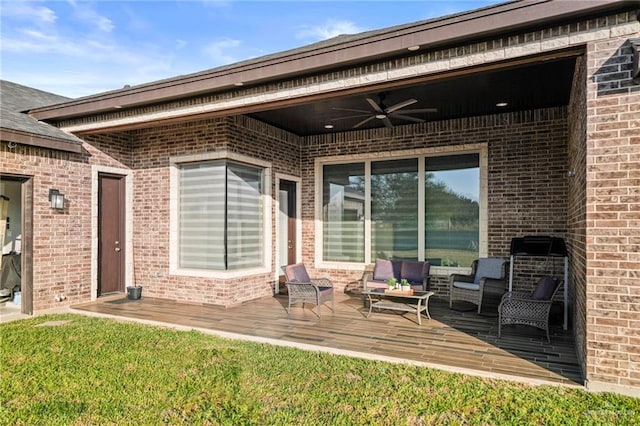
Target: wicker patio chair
488,273
303,289
519,307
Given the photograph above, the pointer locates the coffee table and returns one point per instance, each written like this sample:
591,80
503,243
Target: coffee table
417,302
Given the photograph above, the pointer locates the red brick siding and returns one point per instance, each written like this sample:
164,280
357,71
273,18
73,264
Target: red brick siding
61,240
576,206
612,216
152,151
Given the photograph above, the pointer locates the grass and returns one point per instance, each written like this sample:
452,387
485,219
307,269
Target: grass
100,371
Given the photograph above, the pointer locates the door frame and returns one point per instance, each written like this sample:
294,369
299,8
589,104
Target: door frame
298,182
26,240
128,224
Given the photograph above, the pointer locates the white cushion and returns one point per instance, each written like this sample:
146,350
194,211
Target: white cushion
466,286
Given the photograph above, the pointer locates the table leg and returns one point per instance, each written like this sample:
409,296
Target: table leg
418,312
370,305
426,307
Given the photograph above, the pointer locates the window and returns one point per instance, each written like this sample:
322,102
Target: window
452,209
221,216
394,209
343,212
422,207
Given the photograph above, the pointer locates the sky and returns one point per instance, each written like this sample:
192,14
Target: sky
78,48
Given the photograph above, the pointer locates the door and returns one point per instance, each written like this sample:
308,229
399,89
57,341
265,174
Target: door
287,226
16,236
111,213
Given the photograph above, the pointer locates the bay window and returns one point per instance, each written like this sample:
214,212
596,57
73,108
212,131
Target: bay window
221,216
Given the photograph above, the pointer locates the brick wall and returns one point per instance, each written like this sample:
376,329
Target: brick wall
61,239
527,175
576,207
152,149
612,219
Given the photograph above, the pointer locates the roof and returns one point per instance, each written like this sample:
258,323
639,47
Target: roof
17,126
341,51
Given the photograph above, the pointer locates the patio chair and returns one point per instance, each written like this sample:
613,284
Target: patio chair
488,273
303,289
521,307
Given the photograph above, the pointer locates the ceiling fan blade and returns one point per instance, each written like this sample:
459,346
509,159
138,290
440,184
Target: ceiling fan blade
375,106
387,122
347,117
418,111
407,117
352,110
400,105
364,121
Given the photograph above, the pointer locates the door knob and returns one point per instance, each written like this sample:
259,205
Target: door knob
117,248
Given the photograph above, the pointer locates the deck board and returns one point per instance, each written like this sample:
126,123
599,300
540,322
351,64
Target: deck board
451,339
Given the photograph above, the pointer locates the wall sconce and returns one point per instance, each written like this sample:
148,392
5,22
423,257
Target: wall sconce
56,199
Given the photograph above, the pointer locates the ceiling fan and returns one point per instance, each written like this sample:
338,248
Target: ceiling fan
382,112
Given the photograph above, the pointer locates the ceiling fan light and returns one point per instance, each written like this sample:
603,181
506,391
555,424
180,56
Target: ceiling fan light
381,116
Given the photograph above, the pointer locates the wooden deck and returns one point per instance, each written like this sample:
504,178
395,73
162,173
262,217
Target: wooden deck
456,341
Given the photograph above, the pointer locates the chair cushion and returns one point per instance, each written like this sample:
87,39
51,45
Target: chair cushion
383,270
297,273
545,288
489,267
413,272
325,290
466,286
397,268
376,284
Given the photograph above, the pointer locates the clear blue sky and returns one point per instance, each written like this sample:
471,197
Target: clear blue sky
77,48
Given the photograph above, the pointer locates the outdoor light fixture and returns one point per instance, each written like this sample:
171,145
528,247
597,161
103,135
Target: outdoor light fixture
413,48
502,104
56,199
328,126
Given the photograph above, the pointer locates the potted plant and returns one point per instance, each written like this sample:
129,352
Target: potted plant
405,285
392,282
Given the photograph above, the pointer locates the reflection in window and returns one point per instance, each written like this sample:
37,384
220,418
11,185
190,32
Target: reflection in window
452,209
343,212
394,209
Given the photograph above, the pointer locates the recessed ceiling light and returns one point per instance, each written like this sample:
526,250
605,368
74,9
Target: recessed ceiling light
238,83
413,48
502,104
328,126
118,106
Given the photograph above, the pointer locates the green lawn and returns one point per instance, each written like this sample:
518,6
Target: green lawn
99,371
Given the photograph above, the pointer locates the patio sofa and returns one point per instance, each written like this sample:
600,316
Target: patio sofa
417,273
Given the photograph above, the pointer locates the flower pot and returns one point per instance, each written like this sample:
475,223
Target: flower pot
406,287
134,293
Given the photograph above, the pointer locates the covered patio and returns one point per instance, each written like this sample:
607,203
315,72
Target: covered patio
456,341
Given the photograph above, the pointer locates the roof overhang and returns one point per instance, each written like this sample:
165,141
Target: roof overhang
475,25
25,138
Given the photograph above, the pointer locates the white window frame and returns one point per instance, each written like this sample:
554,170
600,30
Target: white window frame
174,215
481,149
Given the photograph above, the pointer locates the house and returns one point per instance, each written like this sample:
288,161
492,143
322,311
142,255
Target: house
439,140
